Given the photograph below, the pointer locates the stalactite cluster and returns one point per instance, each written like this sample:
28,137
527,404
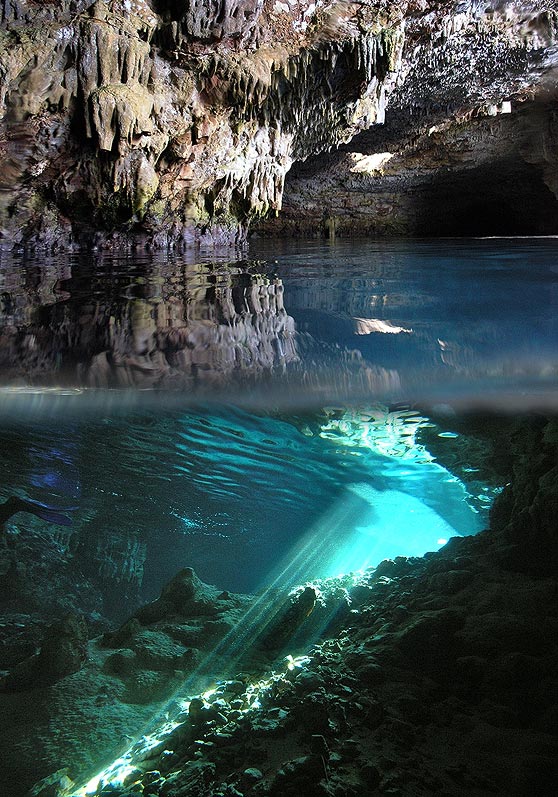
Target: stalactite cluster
169,123
127,122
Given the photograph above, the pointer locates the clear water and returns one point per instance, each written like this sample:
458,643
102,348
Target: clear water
234,493
311,459
290,323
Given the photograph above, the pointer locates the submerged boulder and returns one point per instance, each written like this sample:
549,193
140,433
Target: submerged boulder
63,652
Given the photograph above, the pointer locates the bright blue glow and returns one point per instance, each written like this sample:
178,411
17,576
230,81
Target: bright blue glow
394,523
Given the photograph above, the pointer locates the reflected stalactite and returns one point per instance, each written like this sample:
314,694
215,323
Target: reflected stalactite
182,328
340,323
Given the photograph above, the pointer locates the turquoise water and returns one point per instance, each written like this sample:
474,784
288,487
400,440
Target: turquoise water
240,496
468,321
314,456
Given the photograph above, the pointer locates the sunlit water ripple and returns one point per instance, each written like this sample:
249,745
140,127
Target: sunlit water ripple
106,362
232,493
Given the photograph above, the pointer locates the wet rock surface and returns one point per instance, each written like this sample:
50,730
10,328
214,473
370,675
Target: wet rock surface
462,144
174,124
442,680
63,651
87,696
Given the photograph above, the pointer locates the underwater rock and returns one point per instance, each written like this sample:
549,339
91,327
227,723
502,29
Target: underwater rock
433,683
370,776
156,648
190,781
20,637
186,596
302,774
63,652
145,686
123,662
288,620
524,514
252,775
55,785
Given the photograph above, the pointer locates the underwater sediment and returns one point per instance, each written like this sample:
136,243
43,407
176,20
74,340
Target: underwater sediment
432,674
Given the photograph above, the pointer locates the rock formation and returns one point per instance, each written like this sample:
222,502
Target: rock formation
176,122
162,123
423,675
487,175
63,651
468,144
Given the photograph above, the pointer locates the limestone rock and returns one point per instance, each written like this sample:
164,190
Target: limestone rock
55,785
458,152
209,20
175,123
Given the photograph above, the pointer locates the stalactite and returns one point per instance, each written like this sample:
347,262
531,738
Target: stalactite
184,117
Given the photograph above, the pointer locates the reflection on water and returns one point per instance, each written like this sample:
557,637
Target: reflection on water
318,323
152,325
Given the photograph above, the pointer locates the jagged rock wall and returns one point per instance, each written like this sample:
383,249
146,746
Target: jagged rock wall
469,140
211,20
524,515
487,175
175,122
156,123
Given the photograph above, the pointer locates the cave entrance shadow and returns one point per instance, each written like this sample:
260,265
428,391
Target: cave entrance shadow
503,198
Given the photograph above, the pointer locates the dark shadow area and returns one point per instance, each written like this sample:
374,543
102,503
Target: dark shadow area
507,197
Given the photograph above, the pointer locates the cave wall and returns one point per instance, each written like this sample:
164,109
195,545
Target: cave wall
468,146
524,516
486,175
174,123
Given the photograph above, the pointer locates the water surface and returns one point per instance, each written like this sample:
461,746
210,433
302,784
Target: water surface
235,494
292,323
313,457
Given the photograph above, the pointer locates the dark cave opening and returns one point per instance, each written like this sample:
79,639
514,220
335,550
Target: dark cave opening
507,197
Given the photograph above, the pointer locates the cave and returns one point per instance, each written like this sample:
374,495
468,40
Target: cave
504,199
278,399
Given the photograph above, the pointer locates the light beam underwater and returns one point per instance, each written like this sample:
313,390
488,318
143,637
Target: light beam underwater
362,528
317,554
235,645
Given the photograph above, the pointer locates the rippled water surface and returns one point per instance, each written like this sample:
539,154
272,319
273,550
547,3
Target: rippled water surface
237,495
312,458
